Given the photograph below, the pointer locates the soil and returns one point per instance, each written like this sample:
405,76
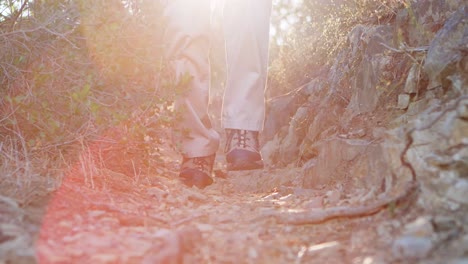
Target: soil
114,218
110,215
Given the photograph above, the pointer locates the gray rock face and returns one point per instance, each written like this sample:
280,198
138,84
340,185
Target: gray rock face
448,50
331,134
289,148
280,109
366,42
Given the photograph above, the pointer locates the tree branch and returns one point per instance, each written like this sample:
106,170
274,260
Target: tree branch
18,14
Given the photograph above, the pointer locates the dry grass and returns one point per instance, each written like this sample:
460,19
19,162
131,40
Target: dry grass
317,36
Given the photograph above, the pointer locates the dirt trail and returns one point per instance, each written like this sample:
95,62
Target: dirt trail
157,220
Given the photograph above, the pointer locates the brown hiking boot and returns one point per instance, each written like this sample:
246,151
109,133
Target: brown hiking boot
197,171
242,150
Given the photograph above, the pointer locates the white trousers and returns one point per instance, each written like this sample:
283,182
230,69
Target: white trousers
246,28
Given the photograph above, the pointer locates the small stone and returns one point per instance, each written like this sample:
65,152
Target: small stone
417,107
411,85
360,133
403,101
411,247
459,192
453,206
253,254
333,197
315,202
155,192
395,224
444,223
421,227
462,110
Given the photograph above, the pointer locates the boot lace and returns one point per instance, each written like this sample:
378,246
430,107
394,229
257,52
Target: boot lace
241,139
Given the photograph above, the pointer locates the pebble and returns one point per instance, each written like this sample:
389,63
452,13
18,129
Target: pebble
421,227
333,197
403,101
314,202
462,110
412,247
253,254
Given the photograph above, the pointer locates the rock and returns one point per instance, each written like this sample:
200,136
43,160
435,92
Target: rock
403,101
366,163
323,124
332,197
190,237
424,20
314,203
270,151
462,110
156,193
421,227
419,106
289,146
366,45
411,85
411,247
205,227
459,132
169,251
459,81
452,206
459,192
280,109
447,50
252,253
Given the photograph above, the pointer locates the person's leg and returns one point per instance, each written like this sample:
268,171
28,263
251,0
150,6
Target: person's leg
246,26
187,49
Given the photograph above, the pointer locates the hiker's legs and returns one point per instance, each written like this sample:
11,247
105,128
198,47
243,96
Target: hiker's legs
246,26
187,48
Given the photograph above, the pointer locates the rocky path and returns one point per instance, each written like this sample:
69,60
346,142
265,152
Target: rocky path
157,220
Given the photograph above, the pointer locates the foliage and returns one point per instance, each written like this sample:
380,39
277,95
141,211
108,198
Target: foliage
71,70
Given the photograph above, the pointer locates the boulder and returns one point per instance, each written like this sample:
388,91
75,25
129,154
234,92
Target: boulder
366,43
280,109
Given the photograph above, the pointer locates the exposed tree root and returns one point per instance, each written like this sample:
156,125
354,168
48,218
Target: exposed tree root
322,215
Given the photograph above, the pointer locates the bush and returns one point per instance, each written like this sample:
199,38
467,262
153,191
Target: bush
71,71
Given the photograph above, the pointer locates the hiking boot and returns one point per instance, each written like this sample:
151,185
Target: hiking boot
242,150
197,171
